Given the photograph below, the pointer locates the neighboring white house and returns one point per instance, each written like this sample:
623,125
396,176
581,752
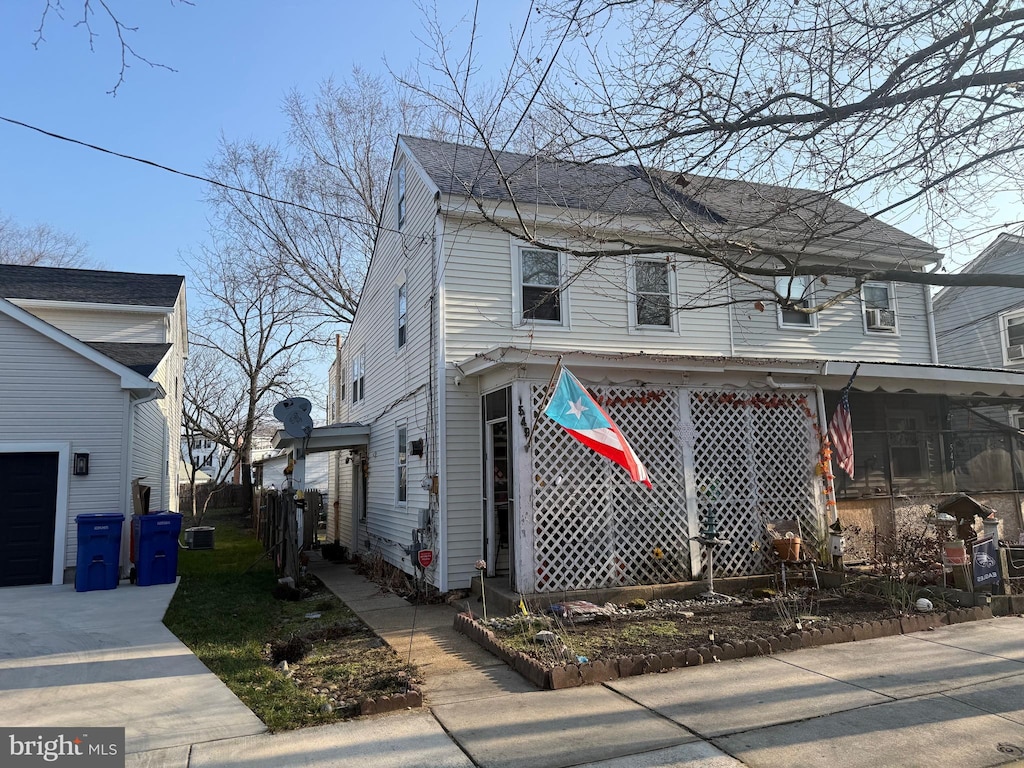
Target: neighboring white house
205,455
270,471
90,401
984,326
437,391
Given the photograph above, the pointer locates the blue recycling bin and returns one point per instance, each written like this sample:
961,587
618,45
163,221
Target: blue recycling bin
99,551
156,547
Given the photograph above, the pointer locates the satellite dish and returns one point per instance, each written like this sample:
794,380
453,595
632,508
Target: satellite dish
293,413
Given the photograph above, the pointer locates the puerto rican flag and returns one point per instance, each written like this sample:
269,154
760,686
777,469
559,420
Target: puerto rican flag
583,418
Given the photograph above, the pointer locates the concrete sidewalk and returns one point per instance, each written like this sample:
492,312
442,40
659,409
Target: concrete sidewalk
951,697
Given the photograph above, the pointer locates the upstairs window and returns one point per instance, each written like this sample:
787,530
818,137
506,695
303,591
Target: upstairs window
797,290
400,196
540,278
357,378
400,313
652,294
879,301
1012,331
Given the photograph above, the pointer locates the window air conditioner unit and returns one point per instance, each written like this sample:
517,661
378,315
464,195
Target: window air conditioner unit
1015,352
881,320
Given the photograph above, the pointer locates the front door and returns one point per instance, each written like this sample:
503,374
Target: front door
358,498
500,502
28,515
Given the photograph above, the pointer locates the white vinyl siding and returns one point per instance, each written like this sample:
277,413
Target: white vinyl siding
394,379
967,323
105,325
51,394
840,333
149,454
480,310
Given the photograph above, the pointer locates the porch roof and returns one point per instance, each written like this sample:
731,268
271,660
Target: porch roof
333,437
919,378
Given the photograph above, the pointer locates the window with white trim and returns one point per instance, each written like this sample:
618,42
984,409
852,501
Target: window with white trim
797,289
400,195
651,294
401,314
401,464
540,292
879,301
1011,330
358,380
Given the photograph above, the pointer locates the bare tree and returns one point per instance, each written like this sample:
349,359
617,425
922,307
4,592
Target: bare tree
91,16
260,336
762,137
312,206
40,245
214,408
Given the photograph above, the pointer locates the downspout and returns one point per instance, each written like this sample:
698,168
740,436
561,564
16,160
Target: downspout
929,313
732,322
442,400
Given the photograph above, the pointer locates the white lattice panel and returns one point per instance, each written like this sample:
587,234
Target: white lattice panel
754,458
594,527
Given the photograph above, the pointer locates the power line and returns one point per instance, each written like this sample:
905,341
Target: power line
186,174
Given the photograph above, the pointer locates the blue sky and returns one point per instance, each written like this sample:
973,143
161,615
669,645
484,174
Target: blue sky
235,62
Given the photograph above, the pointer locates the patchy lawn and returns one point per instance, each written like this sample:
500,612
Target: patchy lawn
225,611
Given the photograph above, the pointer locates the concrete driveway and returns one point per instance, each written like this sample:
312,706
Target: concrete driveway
104,658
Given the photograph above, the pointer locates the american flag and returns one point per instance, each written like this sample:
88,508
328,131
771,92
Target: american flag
840,432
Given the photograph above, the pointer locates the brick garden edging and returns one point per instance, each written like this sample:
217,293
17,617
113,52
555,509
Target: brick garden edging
410,699
572,675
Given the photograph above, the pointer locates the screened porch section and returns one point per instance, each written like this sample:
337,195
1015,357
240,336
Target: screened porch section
746,455
922,445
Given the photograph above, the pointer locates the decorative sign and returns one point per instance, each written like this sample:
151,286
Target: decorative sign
986,562
425,557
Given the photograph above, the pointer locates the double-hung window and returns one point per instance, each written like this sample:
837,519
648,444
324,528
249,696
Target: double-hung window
540,294
795,294
358,379
1011,326
402,465
652,294
879,301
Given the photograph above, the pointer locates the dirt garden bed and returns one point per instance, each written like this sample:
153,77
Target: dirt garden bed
577,644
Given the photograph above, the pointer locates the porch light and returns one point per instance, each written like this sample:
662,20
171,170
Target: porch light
81,464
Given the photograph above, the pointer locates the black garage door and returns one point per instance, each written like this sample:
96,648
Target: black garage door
28,510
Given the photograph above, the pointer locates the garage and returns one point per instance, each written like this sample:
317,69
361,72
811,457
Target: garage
28,512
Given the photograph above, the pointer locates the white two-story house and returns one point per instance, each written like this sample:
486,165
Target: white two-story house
440,383
91,368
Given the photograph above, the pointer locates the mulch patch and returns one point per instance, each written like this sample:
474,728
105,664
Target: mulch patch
565,648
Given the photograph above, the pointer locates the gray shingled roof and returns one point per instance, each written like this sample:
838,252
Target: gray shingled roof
141,358
721,204
88,285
